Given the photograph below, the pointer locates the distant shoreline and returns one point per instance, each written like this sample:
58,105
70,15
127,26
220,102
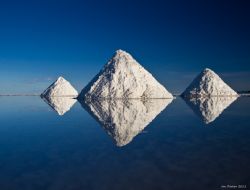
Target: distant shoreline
245,94
175,95
19,94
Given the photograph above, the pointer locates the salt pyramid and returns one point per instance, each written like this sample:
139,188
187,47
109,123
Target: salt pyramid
208,84
123,120
208,109
60,104
122,78
60,87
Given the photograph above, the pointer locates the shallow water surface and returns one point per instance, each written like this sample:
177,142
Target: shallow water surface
63,144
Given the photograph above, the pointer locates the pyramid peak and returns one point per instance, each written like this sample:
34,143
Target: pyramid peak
120,51
207,70
61,79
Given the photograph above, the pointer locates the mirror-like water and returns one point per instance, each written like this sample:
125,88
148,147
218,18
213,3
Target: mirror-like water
159,144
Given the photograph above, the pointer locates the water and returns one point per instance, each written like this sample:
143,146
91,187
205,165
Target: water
84,148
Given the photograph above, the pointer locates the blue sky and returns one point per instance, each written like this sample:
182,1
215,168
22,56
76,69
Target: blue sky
174,40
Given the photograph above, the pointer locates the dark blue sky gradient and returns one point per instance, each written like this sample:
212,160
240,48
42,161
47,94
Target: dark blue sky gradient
175,40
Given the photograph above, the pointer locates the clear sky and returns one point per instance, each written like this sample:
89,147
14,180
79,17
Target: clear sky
43,39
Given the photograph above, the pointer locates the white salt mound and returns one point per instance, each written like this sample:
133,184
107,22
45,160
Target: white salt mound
123,77
206,84
60,87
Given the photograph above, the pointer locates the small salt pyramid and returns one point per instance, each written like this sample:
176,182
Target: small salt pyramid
60,87
208,84
123,78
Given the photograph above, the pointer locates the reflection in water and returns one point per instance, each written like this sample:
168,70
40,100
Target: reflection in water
209,108
60,104
124,119
55,154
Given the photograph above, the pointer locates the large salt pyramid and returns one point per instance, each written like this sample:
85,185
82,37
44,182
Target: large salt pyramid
208,84
122,78
60,104
123,120
60,87
208,109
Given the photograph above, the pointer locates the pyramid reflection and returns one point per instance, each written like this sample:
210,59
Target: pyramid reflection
124,119
208,109
60,104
